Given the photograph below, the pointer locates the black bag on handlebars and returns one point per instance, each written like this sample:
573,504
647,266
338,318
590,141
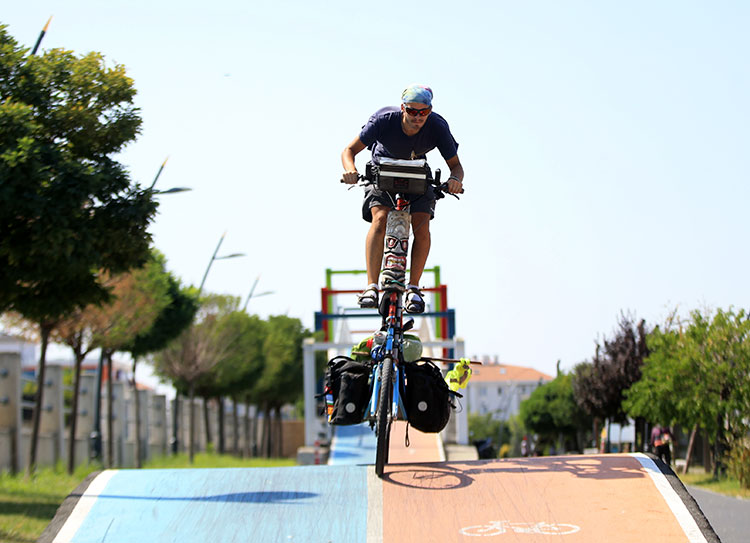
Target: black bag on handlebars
427,397
404,176
347,382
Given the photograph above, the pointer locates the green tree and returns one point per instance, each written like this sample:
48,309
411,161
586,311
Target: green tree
697,375
173,319
195,353
67,208
281,380
137,297
236,373
552,412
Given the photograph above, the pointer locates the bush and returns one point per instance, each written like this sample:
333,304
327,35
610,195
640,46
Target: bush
738,462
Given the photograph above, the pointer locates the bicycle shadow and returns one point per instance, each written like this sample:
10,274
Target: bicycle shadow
455,475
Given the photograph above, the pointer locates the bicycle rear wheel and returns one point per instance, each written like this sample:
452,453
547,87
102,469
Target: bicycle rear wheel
383,428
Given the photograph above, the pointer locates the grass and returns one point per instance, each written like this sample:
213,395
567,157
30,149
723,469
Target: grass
705,481
28,503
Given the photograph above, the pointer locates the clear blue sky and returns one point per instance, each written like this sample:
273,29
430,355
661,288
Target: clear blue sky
605,148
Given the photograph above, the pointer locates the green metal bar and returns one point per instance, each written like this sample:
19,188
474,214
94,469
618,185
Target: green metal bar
438,328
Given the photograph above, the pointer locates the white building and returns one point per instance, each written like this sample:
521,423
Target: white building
500,388
14,344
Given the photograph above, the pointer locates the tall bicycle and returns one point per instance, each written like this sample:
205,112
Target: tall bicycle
398,178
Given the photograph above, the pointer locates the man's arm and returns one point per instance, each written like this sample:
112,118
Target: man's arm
347,160
456,178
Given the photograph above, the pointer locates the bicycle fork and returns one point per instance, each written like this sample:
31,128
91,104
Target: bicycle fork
398,410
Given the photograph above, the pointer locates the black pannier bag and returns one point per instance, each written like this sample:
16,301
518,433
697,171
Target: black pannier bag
347,390
427,397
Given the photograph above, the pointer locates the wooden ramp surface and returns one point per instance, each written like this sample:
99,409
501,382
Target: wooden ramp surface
613,498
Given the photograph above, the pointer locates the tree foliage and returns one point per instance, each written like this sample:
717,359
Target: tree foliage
698,373
551,411
67,209
599,385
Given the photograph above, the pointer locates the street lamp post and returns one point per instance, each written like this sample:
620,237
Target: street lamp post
251,295
176,411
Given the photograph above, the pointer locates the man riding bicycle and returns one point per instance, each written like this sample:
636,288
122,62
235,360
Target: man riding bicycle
406,132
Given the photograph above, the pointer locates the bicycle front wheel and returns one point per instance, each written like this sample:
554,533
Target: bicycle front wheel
383,428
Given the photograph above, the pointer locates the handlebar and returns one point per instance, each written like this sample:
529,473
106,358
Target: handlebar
440,189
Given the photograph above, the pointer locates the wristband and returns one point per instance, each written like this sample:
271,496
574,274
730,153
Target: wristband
455,177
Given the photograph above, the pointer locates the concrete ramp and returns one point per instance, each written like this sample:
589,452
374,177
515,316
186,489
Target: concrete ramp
613,498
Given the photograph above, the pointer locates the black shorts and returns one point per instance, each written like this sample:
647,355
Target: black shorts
418,203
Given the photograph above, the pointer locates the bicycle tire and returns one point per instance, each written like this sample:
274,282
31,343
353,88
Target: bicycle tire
384,416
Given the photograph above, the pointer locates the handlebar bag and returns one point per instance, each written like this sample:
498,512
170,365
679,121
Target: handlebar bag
427,397
404,176
348,382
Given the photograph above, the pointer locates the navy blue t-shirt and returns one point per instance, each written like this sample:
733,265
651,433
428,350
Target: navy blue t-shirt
384,136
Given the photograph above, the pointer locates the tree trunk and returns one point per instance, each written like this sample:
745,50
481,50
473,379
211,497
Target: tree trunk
220,403
191,438
266,434
45,329
720,449
110,415
249,435
689,453
257,443
138,444
236,427
176,423
207,421
279,434
74,413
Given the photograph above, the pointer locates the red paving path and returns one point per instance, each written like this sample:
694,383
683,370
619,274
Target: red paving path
608,498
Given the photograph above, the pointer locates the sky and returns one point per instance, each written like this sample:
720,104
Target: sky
605,146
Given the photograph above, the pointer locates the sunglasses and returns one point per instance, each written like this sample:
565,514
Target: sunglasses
418,112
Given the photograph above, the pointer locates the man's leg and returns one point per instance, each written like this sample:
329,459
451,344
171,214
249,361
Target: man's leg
374,243
420,223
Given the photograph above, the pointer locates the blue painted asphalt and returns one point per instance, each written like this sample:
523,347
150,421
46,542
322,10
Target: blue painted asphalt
296,504
353,445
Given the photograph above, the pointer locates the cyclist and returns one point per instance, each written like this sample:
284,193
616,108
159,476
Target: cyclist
406,132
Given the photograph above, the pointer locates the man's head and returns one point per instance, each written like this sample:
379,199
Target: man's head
416,104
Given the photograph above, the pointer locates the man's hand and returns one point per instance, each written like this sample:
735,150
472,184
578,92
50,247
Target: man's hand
350,177
455,186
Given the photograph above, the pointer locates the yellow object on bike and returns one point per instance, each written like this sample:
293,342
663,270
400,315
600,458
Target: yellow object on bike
459,376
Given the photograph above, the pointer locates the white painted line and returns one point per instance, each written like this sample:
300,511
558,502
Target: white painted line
374,507
83,507
683,516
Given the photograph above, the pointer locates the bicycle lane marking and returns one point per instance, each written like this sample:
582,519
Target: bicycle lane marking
304,504
600,494
674,502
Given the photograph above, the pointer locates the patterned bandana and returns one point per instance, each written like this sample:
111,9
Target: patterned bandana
417,93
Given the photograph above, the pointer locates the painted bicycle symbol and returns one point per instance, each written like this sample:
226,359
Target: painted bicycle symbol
497,527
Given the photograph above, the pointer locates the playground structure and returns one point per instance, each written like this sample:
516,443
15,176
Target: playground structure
436,328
